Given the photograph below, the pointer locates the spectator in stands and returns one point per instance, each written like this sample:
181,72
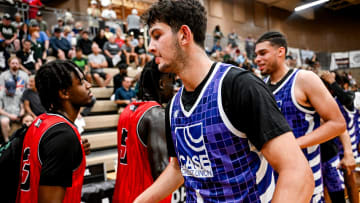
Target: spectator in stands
23,32
60,45
60,25
239,56
217,51
119,39
133,23
11,108
112,52
31,99
97,62
250,47
14,73
8,33
100,38
33,10
17,23
42,38
118,78
141,52
4,56
217,34
129,52
69,35
94,13
77,28
40,22
125,95
232,37
109,16
107,32
82,63
26,55
84,43
38,48
133,41
26,119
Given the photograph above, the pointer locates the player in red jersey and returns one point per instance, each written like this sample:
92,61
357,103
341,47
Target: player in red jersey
53,158
142,153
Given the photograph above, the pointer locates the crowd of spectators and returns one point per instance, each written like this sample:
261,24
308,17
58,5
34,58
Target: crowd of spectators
28,42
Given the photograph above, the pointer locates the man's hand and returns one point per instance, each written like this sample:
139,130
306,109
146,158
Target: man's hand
13,117
86,145
347,162
328,77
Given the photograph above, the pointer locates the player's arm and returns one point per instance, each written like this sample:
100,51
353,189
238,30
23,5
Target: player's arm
152,132
316,95
51,194
168,181
296,181
348,161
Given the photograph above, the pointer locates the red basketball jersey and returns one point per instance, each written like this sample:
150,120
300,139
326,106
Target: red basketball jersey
31,165
133,168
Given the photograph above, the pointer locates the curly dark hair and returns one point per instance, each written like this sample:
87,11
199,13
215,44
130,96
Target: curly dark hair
275,39
149,83
52,77
176,13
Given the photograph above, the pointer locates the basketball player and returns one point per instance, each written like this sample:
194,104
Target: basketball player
224,130
53,159
303,99
142,153
345,101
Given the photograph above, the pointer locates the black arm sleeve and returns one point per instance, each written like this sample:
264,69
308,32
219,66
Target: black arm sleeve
251,107
60,153
345,98
169,141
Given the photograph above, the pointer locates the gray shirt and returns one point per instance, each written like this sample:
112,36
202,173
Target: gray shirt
12,104
133,22
113,48
97,59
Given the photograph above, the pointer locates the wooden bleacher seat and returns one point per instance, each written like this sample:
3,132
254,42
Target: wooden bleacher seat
101,122
100,140
102,92
104,106
109,157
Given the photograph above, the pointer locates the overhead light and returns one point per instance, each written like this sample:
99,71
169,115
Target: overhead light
308,5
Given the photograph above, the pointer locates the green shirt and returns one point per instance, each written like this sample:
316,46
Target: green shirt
82,62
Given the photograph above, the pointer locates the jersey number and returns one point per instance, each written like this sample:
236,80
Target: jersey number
123,152
25,174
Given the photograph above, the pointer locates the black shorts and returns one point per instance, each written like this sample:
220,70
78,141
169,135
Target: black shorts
101,74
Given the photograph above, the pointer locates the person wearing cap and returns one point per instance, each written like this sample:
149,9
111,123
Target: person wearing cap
8,32
59,45
11,108
40,22
60,25
94,13
16,74
133,23
17,23
109,16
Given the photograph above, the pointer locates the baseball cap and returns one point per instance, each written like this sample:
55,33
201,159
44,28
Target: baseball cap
93,2
59,19
10,86
57,30
7,16
39,13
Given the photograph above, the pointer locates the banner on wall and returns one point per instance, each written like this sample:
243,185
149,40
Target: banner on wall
339,60
354,57
306,55
295,54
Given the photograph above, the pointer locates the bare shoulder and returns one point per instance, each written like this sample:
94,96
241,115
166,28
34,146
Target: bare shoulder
308,79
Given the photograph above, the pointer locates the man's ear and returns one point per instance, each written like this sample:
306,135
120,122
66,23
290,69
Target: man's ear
185,35
63,94
281,51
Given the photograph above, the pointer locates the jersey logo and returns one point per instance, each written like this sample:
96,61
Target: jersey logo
123,151
192,153
25,174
